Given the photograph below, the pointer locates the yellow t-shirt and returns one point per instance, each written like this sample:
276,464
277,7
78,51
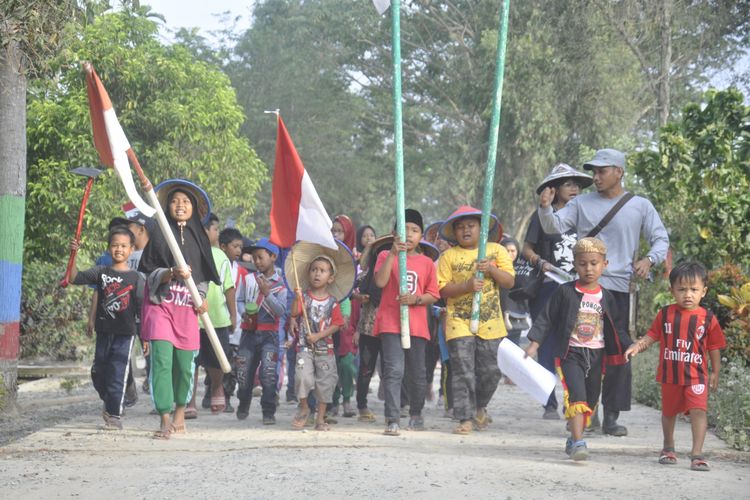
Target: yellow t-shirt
457,265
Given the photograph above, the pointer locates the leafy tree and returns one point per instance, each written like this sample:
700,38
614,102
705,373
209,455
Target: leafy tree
700,178
180,116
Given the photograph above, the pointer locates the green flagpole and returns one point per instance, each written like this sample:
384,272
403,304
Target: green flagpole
489,176
399,142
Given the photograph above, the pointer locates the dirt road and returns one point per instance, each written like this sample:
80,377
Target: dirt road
520,456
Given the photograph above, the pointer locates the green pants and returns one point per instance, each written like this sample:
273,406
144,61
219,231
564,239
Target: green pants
347,376
171,375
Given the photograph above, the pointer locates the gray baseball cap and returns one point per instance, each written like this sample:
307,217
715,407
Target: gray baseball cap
606,158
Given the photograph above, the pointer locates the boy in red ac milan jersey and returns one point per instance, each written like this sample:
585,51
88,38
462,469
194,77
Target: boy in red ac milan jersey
688,335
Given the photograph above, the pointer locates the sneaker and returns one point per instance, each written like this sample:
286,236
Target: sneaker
392,429
291,398
111,422
131,396
569,446
333,411
228,408
578,450
243,410
269,420
550,414
404,411
416,423
145,387
206,401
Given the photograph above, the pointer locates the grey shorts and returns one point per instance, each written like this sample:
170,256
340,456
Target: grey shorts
316,371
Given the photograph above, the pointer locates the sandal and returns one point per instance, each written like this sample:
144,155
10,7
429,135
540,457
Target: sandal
464,428
481,422
218,403
667,457
699,463
322,427
177,429
366,415
162,434
191,413
299,420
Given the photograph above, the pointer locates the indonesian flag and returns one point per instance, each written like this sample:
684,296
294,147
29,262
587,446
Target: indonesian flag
109,138
381,5
296,210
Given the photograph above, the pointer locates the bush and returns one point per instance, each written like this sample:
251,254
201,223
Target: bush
646,390
729,407
53,319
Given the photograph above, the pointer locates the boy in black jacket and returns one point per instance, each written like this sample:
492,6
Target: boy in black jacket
579,318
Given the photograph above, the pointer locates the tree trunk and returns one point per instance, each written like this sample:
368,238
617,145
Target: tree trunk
665,65
12,209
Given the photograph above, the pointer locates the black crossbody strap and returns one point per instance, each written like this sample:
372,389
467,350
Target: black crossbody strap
605,220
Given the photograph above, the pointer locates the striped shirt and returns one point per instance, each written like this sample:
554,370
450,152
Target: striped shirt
685,337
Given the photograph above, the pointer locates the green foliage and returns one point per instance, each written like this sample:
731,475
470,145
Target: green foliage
37,27
179,114
53,319
729,407
646,390
728,296
700,179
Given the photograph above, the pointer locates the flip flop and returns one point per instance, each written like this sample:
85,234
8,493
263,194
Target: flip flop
667,457
191,413
366,416
177,429
299,420
322,427
699,463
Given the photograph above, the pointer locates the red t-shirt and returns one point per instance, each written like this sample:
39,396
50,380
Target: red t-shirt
421,278
685,338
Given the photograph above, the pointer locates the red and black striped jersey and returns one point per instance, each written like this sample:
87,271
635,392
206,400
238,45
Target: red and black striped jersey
685,337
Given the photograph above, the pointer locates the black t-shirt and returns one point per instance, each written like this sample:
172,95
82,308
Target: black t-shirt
119,298
557,249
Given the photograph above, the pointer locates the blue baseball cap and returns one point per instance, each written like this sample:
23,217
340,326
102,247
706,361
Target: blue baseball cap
265,244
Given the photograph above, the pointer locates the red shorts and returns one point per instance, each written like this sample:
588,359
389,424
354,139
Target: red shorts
676,399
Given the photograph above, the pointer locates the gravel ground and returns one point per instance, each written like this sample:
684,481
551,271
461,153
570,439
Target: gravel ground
520,456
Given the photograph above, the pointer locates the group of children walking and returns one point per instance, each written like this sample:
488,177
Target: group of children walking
328,305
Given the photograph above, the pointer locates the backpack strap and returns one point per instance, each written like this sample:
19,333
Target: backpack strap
608,217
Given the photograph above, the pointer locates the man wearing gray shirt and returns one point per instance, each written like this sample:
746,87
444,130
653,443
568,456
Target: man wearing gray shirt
622,236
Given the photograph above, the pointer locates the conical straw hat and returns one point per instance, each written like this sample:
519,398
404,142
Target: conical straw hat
301,256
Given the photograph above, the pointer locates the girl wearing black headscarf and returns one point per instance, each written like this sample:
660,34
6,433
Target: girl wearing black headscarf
169,323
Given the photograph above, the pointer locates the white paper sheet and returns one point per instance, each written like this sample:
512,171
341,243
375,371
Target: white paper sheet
531,377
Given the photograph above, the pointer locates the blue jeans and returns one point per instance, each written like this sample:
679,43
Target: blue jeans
258,348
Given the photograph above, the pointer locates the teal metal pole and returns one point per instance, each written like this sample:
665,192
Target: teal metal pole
399,142
489,176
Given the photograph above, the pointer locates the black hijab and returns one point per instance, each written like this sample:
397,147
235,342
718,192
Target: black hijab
193,242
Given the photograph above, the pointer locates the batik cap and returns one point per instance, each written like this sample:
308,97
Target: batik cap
590,245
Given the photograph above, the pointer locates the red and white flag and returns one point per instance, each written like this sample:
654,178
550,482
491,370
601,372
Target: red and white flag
296,210
110,140
381,5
